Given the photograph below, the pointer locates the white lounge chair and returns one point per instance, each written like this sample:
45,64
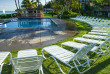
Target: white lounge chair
104,31
81,45
3,56
89,40
98,33
66,56
94,36
27,61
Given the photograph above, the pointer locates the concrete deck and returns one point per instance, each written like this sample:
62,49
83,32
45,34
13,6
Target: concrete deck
26,38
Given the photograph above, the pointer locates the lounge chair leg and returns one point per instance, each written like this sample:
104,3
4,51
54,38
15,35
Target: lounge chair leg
78,69
58,65
88,61
50,64
43,54
41,70
10,58
15,72
70,70
1,67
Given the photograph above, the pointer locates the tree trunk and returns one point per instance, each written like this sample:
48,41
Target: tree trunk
19,5
79,7
16,4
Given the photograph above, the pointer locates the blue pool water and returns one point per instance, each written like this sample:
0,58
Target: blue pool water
29,23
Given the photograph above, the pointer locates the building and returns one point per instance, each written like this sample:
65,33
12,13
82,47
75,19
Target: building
104,11
32,13
47,10
83,3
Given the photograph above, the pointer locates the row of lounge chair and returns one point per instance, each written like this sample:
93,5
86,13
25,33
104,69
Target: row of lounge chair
96,41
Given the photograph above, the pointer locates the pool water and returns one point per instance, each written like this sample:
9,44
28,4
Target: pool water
29,23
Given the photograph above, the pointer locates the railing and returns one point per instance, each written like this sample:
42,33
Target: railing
32,15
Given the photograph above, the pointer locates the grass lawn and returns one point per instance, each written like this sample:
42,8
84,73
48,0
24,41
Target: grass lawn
100,66
49,15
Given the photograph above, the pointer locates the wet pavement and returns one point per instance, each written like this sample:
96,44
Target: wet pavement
26,38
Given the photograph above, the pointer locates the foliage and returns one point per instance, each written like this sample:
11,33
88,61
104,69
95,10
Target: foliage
30,4
74,14
52,13
71,25
89,9
68,14
40,6
101,2
63,5
48,5
8,15
49,15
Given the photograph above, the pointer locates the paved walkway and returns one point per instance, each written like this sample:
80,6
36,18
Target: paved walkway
26,38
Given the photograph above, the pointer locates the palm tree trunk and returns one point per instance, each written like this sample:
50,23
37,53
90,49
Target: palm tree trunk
19,5
16,4
19,9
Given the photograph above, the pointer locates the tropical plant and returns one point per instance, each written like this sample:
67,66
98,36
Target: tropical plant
17,6
62,5
30,4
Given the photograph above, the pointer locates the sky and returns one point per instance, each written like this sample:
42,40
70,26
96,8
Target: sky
9,5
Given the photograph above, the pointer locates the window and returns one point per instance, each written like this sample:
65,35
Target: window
34,11
86,0
80,0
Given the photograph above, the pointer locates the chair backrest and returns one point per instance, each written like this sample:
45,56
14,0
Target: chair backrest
105,44
27,64
107,23
98,20
82,52
107,40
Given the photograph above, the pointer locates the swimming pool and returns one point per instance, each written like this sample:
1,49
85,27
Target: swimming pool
29,23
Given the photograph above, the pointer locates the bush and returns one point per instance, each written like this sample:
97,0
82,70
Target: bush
68,14
14,14
74,14
2,16
65,16
8,15
53,13
71,25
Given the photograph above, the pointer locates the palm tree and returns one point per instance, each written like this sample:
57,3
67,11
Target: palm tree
16,4
38,2
19,4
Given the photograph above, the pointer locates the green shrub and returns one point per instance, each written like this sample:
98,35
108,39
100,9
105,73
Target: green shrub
8,15
66,12
71,25
53,13
14,14
2,16
67,15
74,14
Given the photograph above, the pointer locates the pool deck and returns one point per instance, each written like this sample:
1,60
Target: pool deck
34,37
